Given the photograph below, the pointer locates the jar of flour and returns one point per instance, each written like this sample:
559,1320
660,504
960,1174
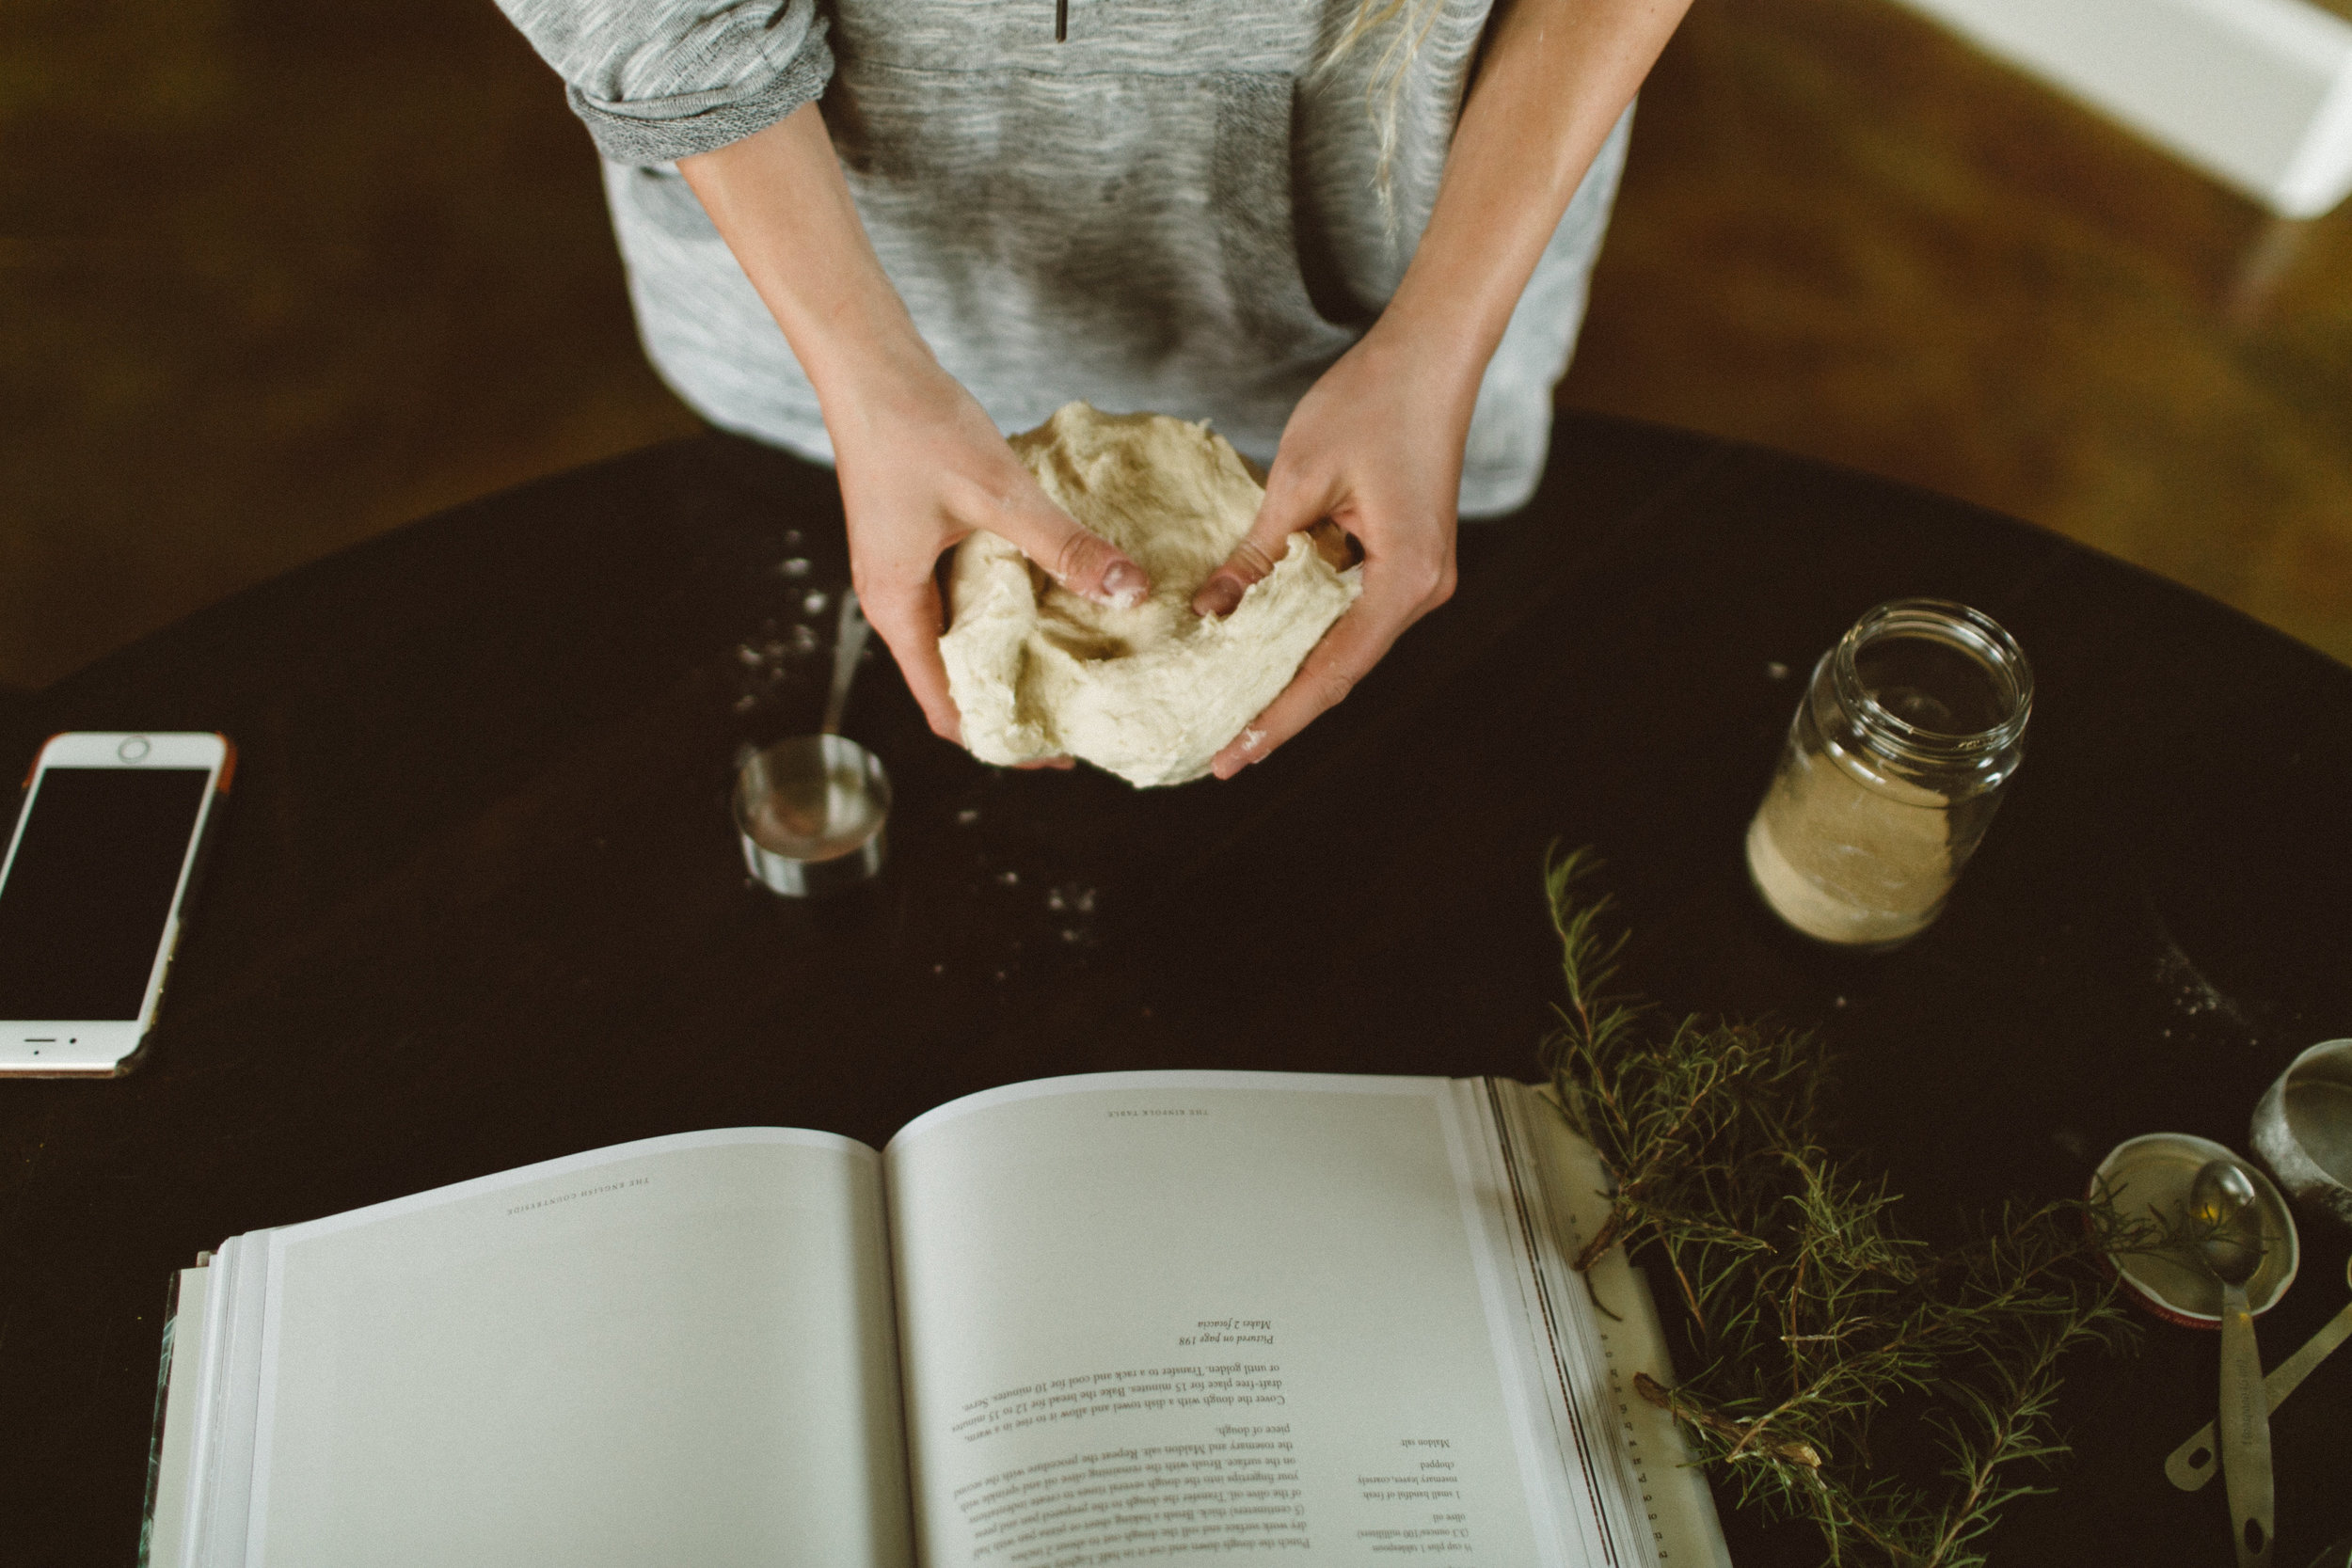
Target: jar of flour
1909,729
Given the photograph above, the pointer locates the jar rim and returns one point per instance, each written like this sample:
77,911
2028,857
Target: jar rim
1957,626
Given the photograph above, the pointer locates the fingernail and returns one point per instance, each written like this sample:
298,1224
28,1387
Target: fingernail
1217,596
1124,584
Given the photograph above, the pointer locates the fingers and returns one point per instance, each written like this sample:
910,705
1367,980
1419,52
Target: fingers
1397,593
1221,594
1285,509
910,625
1081,560
908,617
1329,673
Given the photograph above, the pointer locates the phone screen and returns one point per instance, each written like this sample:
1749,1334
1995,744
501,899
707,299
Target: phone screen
82,908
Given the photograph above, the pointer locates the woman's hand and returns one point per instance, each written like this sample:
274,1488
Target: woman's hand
921,464
1376,446
921,467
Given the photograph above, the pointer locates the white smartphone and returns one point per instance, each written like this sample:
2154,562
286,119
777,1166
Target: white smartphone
105,853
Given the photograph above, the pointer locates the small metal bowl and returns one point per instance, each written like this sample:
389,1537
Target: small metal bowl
810,813
2151,1174
2303,1127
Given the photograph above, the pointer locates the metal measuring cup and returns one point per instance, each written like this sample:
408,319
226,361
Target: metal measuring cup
810,810
2303,1127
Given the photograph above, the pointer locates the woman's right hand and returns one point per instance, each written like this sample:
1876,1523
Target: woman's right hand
921,464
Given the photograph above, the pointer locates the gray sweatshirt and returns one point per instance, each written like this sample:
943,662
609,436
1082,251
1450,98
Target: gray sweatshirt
1168,212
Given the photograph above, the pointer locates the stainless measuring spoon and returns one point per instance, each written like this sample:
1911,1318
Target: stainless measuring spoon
2222,1199
2194,1461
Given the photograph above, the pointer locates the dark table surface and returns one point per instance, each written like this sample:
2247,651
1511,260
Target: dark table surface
478,902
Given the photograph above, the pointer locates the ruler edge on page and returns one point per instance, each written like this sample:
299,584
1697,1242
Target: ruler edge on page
1674,1491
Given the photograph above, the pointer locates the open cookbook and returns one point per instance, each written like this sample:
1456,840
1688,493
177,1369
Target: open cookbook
1119,1318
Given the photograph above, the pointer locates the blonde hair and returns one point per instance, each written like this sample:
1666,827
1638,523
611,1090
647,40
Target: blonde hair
1407,22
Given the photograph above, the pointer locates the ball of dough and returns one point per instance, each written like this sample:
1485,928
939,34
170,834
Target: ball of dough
1152,692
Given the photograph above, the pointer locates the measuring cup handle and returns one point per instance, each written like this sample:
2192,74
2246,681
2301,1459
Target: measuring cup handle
848,646
2195,1462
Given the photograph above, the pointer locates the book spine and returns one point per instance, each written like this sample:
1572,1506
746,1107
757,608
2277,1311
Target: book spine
156,1437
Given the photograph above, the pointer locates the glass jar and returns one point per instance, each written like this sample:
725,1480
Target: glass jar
1893,766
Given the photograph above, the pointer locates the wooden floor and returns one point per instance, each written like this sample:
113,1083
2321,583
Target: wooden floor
275,278
1844,234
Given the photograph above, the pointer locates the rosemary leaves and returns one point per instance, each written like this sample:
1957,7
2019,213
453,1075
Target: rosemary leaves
1893,1393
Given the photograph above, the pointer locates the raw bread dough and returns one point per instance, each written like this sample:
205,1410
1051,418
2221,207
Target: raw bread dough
1149,693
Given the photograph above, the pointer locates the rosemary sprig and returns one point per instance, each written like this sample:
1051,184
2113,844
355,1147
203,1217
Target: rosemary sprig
1896,1394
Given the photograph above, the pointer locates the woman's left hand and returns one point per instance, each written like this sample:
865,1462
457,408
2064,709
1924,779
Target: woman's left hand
1375,446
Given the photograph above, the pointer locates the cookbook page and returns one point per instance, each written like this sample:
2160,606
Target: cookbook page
1150,1315
675,1351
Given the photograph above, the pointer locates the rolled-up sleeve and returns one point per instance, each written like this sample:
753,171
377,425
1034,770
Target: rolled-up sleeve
657,80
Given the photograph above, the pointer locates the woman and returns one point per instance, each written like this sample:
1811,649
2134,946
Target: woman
1353,233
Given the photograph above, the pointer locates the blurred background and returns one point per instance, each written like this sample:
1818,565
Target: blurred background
275,278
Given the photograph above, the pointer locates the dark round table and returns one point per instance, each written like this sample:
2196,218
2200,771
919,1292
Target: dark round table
479,901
